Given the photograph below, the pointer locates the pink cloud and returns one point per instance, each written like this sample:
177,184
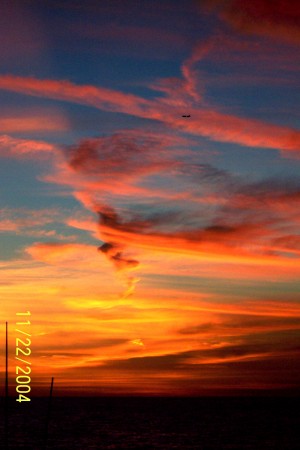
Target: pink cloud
249,132
203,122
130,158
30,222
102,98
117,155
192,79
25,148
33,120
8,225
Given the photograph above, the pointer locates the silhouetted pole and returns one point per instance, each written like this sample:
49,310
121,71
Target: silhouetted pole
48,414
6,389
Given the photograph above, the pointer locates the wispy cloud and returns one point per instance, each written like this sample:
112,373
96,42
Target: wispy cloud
25,148
33,121
205,122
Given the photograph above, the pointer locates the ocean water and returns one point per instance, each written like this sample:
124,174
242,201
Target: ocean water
207,423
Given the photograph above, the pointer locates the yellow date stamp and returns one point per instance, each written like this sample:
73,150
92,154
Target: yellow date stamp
23,351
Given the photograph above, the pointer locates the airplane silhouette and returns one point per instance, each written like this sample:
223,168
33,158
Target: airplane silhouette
186,116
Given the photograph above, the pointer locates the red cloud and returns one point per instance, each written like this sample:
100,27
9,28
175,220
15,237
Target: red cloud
119,155
278,19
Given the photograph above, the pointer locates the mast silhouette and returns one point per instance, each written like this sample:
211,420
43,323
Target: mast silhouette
48,415
6,389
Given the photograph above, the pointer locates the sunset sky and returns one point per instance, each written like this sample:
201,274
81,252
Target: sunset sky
157,254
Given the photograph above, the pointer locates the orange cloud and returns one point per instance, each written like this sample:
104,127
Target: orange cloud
254,225
8,225
183,244
55,253
251,224
185,337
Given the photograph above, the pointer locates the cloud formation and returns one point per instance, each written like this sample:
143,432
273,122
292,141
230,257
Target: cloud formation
205,122
25,148
113,253
30,120
193,208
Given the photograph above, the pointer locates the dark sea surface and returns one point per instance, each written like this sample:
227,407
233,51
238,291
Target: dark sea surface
206,423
